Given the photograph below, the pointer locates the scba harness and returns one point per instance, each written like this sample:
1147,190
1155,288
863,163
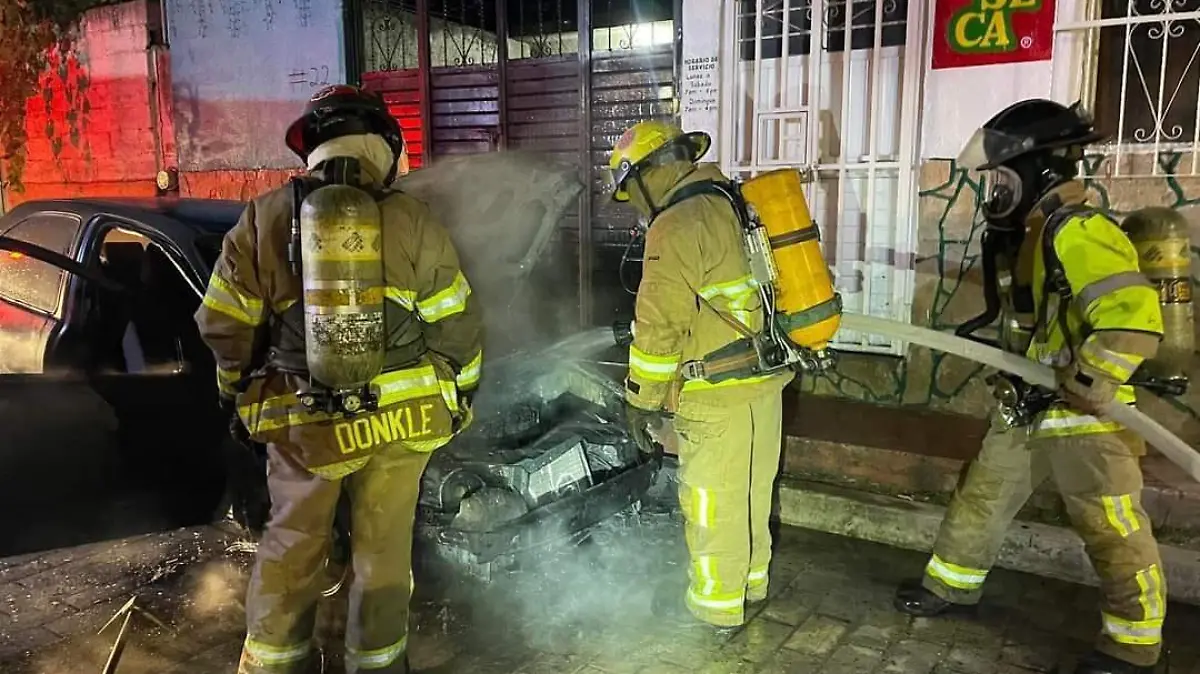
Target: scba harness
335,335
771,349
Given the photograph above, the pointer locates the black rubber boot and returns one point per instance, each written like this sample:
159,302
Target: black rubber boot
912,598
1102,663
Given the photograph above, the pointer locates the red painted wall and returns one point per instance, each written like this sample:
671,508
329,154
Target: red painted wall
90,126
230,184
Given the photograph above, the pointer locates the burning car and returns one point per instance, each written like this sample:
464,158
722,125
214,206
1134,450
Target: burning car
97,296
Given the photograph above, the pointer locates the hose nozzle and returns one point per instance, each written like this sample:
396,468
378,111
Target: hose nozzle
623,333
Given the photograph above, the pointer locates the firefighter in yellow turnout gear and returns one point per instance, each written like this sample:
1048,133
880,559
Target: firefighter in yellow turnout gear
1095,318
255,316
696,286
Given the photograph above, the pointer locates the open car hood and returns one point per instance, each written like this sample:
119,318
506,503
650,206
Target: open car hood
502,210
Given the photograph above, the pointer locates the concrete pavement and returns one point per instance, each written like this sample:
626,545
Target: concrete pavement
585,610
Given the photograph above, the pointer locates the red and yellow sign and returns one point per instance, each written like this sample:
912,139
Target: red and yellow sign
988,32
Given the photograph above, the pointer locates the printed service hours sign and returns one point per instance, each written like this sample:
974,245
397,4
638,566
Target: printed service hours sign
989,32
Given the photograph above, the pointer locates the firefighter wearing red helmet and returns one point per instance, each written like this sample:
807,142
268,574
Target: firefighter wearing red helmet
348,341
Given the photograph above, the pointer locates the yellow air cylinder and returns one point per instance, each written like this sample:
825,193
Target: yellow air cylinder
341,241
1161,238
809,308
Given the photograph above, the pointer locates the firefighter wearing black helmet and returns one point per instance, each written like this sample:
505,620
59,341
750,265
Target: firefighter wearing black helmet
348,341
1094,318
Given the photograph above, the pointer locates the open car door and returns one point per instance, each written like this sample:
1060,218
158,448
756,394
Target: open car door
54,446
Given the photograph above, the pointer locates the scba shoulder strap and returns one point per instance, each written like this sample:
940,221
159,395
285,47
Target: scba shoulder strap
1055,282
726,190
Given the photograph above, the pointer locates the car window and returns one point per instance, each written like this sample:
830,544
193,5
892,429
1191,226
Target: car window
209,246
31,282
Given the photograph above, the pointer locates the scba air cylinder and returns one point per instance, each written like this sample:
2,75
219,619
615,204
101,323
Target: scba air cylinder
341,240
1163,243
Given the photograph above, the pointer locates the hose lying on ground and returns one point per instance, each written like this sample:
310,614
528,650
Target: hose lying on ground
1150,430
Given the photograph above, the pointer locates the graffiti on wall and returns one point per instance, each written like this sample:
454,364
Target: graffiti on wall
949,289
242,71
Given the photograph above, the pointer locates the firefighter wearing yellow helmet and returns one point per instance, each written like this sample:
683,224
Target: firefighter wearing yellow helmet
346,339
1079,303
696,297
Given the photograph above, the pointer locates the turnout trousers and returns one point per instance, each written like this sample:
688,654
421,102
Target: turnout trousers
281,603
1100,480
728,461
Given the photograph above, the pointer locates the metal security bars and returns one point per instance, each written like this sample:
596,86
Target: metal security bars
389,35
563,78
847,117
1137,62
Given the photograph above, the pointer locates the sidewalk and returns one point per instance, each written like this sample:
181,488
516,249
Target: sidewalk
586,611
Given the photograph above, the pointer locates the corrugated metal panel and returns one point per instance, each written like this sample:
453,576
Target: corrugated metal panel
400,90
543,116
627,87
543,106
466,109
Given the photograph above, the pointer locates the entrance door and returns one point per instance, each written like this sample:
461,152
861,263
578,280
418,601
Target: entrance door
832,87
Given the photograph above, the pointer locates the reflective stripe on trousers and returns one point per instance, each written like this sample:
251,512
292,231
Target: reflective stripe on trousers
378,658
729,458
954,575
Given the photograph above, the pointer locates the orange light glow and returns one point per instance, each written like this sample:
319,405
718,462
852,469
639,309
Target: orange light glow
14,255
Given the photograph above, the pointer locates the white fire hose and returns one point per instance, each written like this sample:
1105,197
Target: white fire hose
1150,430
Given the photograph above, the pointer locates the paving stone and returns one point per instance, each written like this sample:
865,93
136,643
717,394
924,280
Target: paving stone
663,668
967,659
938,630
873,636
785,661
910,656
1037,656
16,642
792,606
553,664
852,659
978,635
26,607
759,639
818,635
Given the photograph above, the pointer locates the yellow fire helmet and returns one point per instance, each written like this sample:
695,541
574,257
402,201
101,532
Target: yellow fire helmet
647,143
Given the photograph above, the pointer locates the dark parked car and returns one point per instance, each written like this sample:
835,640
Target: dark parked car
104,380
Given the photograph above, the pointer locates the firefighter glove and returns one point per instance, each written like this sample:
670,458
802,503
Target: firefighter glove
641,423
1083,388
237,429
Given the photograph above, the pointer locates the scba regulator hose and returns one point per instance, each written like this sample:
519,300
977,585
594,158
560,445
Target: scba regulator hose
1150,430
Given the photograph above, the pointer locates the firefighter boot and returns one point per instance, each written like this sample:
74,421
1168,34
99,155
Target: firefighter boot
914,599
1101,663
668,606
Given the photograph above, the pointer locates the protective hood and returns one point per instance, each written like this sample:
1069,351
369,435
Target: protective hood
660,182
502,210
370,149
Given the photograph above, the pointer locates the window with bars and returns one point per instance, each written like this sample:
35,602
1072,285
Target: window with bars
1148,71
800,29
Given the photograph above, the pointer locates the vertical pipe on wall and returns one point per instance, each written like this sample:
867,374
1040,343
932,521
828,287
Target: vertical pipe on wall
585,162
354,35
154,42
502,70
677,16
423,83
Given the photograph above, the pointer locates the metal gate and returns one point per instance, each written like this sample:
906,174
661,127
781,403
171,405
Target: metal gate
832,87
560,77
